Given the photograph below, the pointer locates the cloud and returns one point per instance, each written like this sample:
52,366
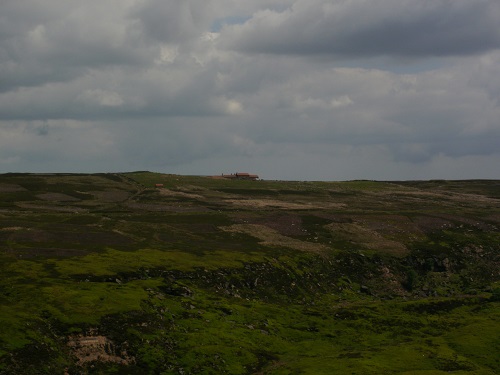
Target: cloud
284,88
363,28
58,42
172,21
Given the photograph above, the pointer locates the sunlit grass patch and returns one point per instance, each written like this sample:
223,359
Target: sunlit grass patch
112,262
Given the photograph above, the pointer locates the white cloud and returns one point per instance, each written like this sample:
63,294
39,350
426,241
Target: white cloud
101,97
167,54
341,101
233,107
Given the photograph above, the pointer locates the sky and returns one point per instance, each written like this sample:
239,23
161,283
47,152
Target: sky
286,89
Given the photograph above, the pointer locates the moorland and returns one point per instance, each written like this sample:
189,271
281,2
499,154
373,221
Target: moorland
149,273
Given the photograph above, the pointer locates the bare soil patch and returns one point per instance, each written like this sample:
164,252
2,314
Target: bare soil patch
396,227
46,207
287,225
197,227
478,224
8,229
271,237
169,193
429,224
367,238
11,188
111,195
165,208
274,203
438,195
469,197
97,348
58,197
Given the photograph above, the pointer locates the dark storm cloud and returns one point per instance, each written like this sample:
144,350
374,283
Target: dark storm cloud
361,28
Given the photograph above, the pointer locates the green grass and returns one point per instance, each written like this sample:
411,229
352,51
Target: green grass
113,262
181,295
87,302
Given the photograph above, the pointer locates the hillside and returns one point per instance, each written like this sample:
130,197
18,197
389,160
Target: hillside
109,274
